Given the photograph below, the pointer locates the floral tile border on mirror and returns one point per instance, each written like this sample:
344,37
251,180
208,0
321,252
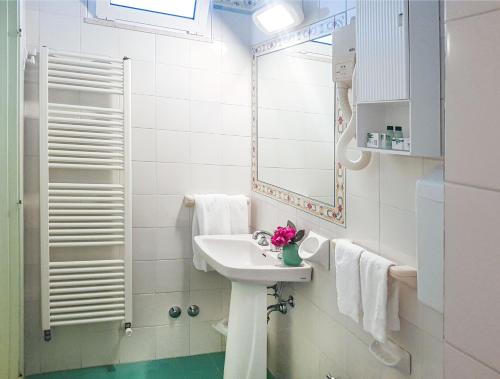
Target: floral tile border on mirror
333,213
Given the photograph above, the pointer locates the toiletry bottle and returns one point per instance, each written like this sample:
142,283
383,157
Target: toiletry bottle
389,137
398,132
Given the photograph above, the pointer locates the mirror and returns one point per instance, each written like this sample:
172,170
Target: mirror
296,126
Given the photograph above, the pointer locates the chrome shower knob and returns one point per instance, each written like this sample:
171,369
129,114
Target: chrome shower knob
193,310
175,311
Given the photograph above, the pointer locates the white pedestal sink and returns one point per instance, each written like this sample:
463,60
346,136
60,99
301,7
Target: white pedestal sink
251,268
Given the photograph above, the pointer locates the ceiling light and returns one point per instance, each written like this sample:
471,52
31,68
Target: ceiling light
278,16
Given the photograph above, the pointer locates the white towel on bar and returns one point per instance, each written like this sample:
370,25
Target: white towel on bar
217,214
238,210
347,257
379,296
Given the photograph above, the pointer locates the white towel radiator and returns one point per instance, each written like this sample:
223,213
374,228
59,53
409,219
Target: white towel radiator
85,190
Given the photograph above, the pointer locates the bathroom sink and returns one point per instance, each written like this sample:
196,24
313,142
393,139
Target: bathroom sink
251,268
240,258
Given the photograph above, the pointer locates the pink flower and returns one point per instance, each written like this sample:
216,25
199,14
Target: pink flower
283,236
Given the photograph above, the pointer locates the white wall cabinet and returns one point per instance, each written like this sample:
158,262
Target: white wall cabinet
399,76
382,50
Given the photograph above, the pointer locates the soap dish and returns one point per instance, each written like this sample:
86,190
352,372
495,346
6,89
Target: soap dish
391,355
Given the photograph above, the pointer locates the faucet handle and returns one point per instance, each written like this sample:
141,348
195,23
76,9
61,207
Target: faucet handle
263,241
256,234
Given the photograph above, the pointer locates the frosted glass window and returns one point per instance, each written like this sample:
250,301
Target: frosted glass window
178,8
191,16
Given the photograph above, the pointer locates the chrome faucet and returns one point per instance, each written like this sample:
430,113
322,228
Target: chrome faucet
265,237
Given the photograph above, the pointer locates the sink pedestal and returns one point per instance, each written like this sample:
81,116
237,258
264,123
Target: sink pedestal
246,347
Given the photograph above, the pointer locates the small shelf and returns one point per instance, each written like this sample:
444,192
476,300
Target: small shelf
385,151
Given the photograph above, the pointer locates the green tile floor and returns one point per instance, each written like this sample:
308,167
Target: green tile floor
207,366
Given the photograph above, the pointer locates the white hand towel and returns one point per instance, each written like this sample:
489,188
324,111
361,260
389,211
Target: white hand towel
238,210
211,216
379,299
347,257
217,214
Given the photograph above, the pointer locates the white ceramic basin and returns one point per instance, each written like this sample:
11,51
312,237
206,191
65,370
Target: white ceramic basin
250,268
240,258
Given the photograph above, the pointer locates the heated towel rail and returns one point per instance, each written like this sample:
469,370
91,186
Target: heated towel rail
85,189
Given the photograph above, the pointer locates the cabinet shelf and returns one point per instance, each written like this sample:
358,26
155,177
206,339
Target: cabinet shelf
385,151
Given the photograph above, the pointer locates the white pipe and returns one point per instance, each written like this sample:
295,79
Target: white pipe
80,75
80,121
83,231
72,133
78,153
76,146
84,166
85,308
87,321
75,296
104,130
86,314
93,275
89,70
81,283
127,180
83,88
85,289
44,183
91,141
82,270
85,160
53,227
92,115
69,303
87,192
84,211
78,309
74,206
82,197
85,238
82,63
84,108
350,131
55,53
83,82
84,218
108,264
84,185
82,244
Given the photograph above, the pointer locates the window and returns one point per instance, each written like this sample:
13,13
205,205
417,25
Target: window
179,8
183,15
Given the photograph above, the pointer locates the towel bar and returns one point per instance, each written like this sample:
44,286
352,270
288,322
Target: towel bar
405,274
189,201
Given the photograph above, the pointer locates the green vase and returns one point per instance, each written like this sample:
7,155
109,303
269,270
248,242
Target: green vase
291,255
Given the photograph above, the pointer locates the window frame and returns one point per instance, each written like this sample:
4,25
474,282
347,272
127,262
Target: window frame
197,25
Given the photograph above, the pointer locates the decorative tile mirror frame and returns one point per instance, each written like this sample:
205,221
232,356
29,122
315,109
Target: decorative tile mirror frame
333,213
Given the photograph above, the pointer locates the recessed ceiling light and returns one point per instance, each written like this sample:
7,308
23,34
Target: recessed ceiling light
278,16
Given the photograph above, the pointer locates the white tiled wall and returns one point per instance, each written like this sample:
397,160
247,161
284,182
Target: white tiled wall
314,339
191,133
472,197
